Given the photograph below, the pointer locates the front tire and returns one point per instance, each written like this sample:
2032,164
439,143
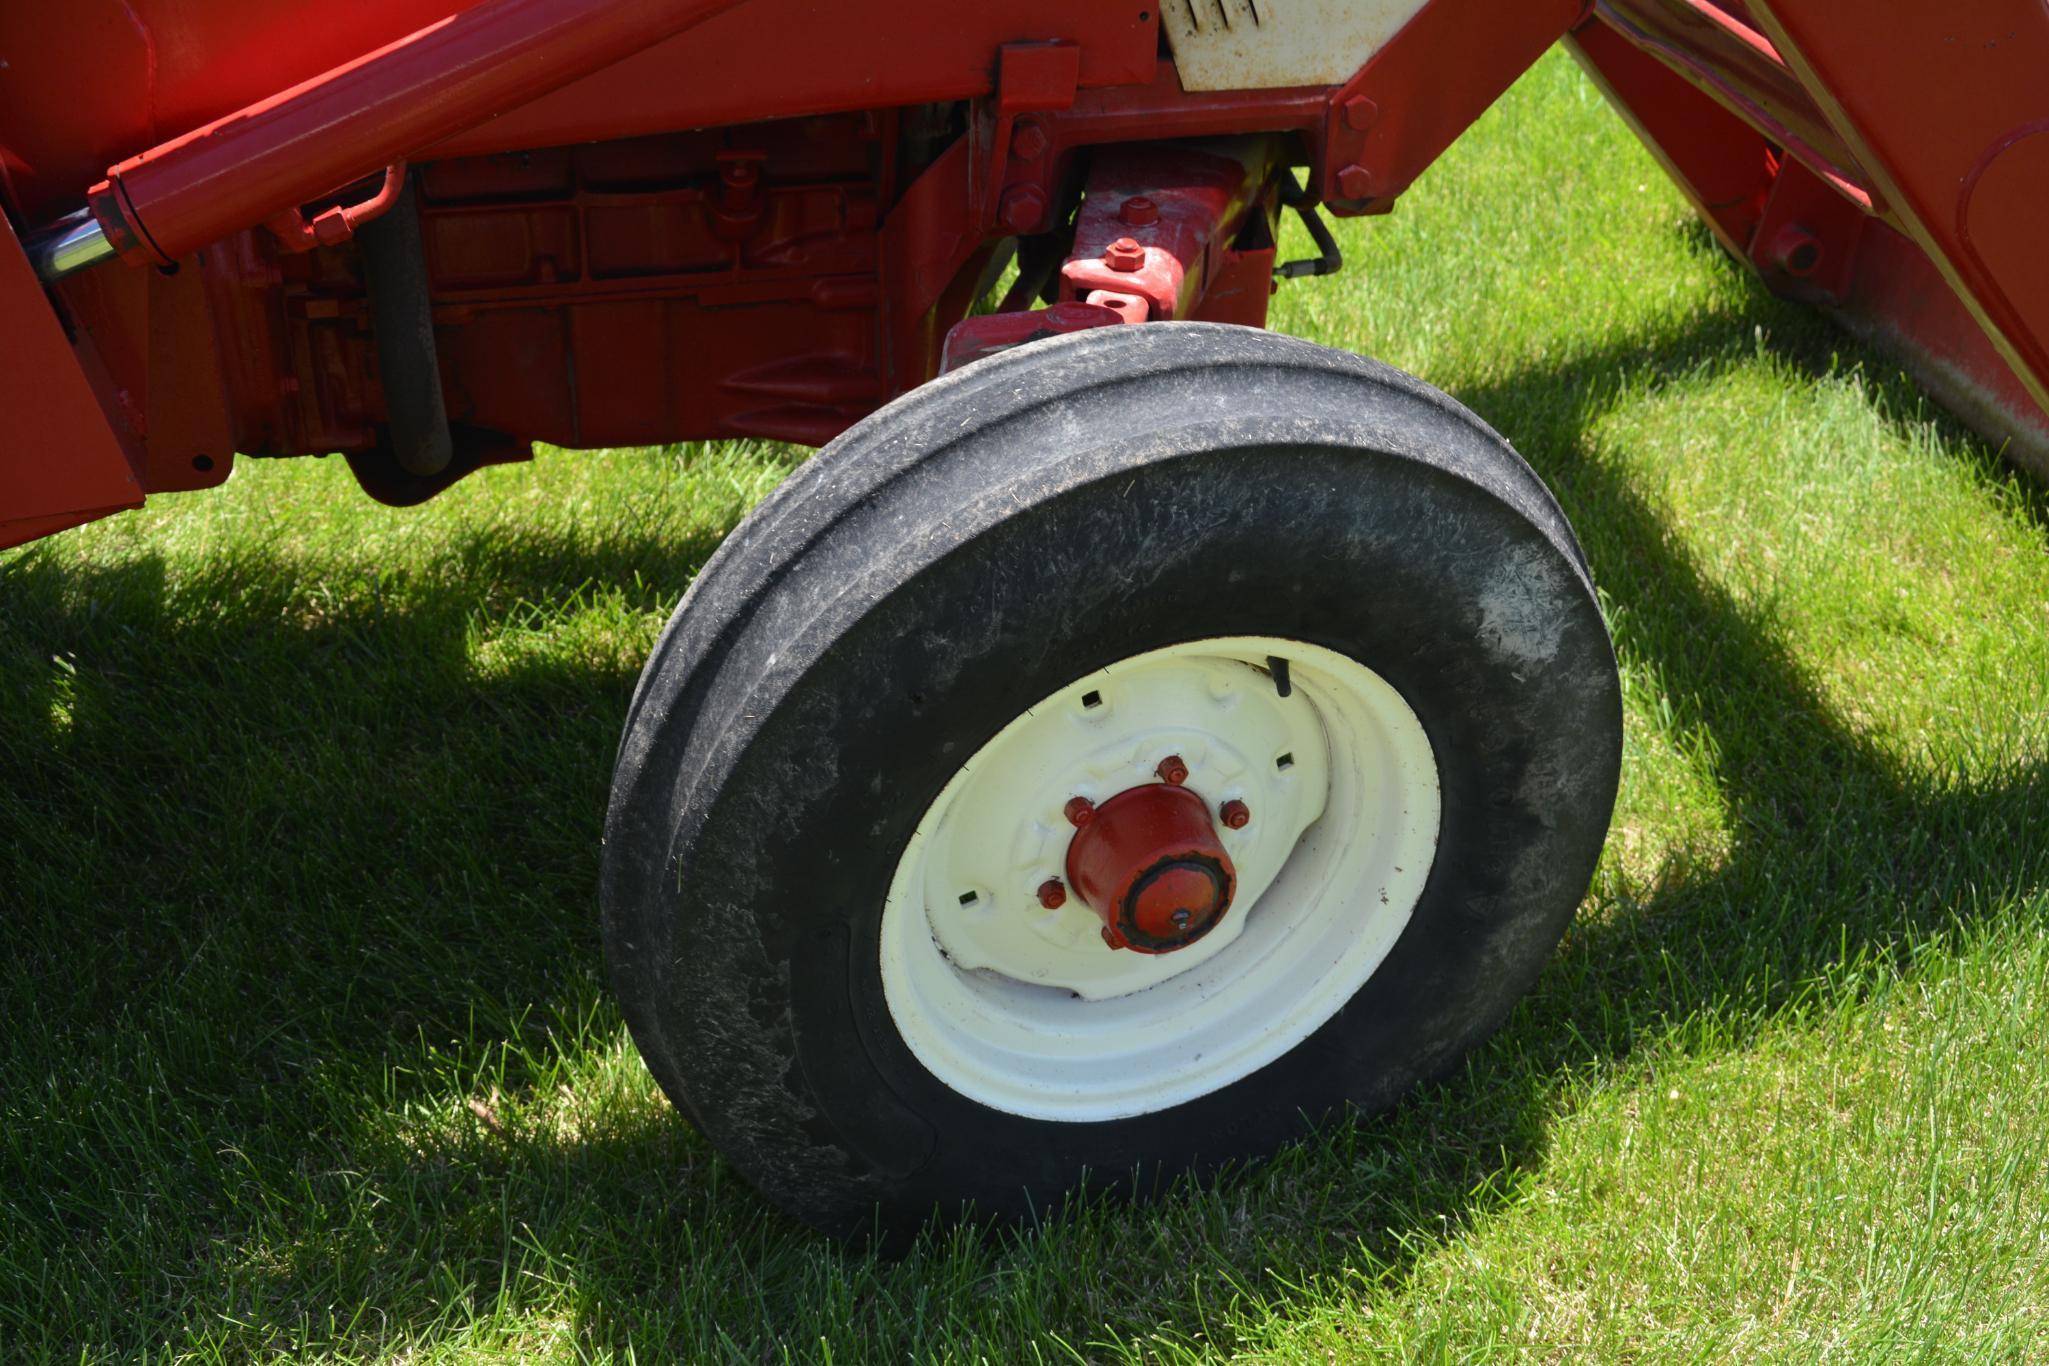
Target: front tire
831,703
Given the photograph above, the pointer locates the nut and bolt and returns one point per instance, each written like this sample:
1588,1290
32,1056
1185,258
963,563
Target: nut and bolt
1172,770
1360,113
1236,814
1022,209
1124,255
1139,211
1027,141
1355,182
1114,939
1079,811
1052,894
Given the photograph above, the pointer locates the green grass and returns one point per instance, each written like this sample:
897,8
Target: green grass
307,1049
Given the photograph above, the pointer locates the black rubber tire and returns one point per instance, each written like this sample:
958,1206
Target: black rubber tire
979,544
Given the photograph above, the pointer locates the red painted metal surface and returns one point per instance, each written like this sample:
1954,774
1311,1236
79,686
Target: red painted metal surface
1197,201
1897,300
60,462
741,295
973,338
775,59
378,108
1148,862
1723,166
597,277
91,82
1738,67
770,224
1197,244
1386,125
1947,108
337,224
1739,134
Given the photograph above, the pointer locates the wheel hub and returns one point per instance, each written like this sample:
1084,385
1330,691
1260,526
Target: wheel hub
1148,862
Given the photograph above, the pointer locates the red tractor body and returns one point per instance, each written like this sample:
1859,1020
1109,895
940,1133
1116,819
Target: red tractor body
1131,749
640,222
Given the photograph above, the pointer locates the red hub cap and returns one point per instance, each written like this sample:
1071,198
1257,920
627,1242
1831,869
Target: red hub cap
1149,863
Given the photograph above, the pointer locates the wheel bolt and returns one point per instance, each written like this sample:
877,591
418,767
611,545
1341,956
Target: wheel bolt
1236,814
1052,894
1172,770
1079,810
1114,939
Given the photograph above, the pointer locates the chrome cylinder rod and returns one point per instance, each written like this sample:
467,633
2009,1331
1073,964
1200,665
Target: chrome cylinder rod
70,244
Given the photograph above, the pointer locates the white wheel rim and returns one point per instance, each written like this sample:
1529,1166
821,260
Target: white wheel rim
1026,1010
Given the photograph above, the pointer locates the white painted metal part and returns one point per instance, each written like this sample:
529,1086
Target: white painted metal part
1027,1010
1264,44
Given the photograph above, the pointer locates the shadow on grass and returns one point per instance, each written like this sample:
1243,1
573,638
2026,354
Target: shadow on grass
1839,854
262,848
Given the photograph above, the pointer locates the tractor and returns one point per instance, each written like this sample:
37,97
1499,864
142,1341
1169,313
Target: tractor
1134,737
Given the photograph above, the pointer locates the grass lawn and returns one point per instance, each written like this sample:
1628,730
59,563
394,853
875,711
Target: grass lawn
307,1048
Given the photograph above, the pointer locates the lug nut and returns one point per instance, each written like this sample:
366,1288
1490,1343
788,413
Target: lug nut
1124,255
1079,810
1139,211
1236,814
1114,939
1172,770
1052,894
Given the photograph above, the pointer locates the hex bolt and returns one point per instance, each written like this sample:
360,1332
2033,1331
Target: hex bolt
1079,811
1139,211
1124,255
1023,208
1052,894
1360,113
1114,939
1027,140
1172,770
1355,182
1236,814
